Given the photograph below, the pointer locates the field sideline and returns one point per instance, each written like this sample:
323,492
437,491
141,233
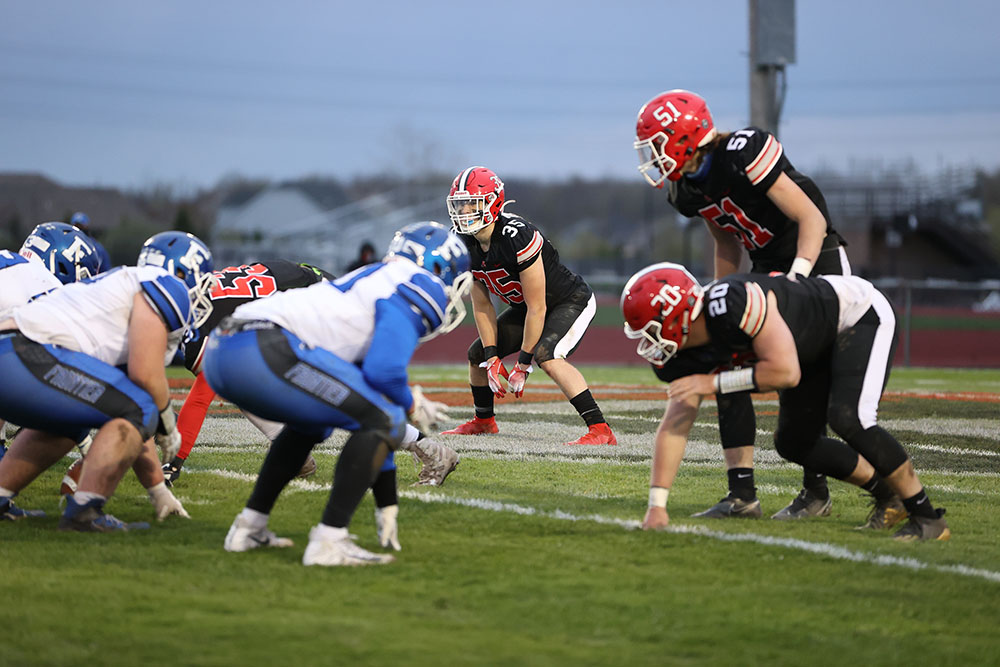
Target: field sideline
529,554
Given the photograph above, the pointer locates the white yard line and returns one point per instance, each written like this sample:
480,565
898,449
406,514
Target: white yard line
819,548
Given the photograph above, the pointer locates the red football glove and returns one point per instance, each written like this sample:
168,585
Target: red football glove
494,371
518,377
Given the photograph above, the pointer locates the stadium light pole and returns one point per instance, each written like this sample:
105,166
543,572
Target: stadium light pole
772,47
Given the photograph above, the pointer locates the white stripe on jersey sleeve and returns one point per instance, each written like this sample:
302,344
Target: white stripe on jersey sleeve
762,165
755,311
533,248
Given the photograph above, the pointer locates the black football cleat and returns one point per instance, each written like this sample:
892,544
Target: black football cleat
732,507
804,505
922,528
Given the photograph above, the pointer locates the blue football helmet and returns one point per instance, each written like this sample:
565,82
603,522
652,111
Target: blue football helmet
64,250
184,255
80,220
431,246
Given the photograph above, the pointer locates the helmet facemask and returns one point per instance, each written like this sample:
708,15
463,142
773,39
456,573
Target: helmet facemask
469,213
454,312
654,164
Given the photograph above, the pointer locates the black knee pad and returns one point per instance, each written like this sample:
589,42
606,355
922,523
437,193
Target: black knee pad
544,351
881,449
476,355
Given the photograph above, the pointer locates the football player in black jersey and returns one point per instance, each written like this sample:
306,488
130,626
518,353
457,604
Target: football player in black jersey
824,344
750,196
550,307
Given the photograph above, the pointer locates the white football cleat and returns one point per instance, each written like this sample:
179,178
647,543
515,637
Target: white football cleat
338,549
244,536
437,461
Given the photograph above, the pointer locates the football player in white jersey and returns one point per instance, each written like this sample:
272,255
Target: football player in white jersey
61,358
53,254
334,355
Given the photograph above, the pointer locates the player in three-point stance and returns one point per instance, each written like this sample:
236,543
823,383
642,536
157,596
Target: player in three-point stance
53,254
335,355
61,355
825,344
550,307
750,196
237,285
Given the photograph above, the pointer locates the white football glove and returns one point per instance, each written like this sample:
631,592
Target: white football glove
425,413
165,503
167,437
385,526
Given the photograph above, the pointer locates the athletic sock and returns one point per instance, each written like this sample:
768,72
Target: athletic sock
384,489
84,497
587,408
878,488
920,505
283,462
356,469
741,483
815,483
482,398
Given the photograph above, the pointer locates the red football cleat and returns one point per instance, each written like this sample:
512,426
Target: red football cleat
476,426
598,434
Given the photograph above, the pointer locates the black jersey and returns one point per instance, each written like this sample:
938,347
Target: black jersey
515,245
736,306
239,284
732,196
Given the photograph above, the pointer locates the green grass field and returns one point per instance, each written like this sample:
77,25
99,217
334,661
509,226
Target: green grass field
529,555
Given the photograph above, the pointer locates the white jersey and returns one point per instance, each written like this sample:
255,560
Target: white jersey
21,280
339,316
93,316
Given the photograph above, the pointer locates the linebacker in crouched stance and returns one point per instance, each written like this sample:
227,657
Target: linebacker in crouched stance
550,307
335,355
825,344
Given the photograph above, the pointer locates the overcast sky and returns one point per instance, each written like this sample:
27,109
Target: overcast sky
136,94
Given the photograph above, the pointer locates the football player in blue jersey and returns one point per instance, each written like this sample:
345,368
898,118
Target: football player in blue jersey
750,196
335,355
53,254
62,358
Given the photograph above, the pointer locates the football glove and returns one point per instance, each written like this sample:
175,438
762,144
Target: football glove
495,371
385,526
425,413
518,377
167,437
165,503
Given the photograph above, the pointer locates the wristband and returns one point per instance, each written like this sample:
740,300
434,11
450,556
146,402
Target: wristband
490,351
728,382
168,421
801,266
524,358
658,496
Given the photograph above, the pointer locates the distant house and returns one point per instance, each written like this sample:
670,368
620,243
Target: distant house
313,221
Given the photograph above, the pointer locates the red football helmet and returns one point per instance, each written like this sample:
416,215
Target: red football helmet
659,303
670,128
475,200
